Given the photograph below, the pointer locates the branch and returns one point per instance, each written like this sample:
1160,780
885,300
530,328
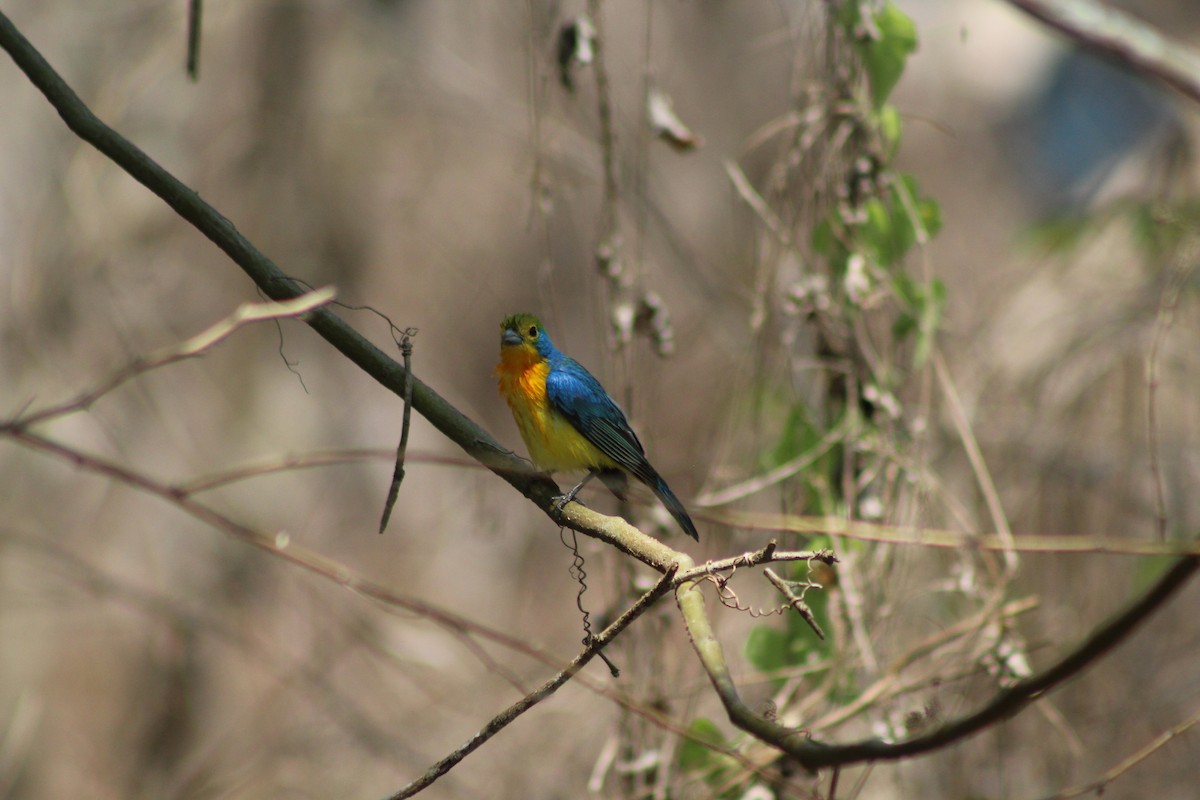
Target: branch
502,719
263,271
1006,703
315,458
463,628
1167,304
950,539
1122,38
195,346
277,285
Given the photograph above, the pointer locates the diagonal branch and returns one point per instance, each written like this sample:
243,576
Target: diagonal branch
1123,38
277,285
502,719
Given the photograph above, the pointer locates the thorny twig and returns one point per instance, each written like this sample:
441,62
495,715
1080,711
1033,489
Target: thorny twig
768,554
796,601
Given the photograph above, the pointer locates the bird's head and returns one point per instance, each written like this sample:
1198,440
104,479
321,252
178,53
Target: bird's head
522,337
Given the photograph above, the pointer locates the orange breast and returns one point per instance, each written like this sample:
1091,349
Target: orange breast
522,382
553,442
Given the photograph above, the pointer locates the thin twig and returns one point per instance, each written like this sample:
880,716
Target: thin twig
318,458
1098,785
501,720
787,469
197,345
757,204
608,134
767,555
983,475
950,539
195,11
398,472
795,601
1166,317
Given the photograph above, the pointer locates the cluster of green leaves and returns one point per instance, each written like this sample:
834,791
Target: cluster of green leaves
865,247
884,38
863,241
866,238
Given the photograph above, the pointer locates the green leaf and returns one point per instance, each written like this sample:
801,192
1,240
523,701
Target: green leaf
921,307
931,216
693,755
920,213
801,436
886,56
888,123
769,649
904,229
875,233
930,322
907,290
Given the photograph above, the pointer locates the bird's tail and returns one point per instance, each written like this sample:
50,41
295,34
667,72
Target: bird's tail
676,508
618,484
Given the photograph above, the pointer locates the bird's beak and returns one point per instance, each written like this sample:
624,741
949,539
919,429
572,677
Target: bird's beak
510,337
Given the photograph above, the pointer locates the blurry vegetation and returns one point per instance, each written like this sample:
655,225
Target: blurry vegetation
870,332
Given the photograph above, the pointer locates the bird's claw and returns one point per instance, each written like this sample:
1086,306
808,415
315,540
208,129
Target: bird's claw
561,500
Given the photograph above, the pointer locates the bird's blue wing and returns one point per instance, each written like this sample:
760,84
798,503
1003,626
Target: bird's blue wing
579,397
574,393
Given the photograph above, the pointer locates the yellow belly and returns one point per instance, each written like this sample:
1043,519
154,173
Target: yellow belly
553,442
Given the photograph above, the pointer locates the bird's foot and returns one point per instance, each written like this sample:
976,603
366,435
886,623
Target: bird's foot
560,502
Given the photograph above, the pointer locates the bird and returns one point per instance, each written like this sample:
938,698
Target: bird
568,421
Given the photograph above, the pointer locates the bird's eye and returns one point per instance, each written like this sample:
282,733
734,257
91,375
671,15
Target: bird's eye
533,331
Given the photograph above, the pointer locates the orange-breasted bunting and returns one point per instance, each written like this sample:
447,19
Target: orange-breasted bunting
568,421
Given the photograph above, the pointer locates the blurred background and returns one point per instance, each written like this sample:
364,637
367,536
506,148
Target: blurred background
427,160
